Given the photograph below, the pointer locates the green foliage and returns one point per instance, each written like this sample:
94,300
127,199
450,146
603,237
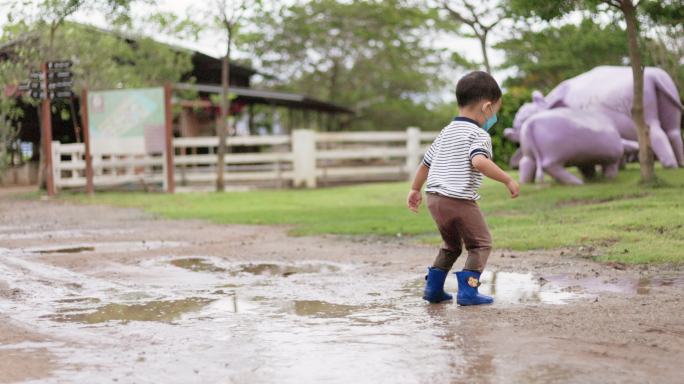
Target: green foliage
513,99
102,59
624,221
367,55
545,58
670,12
543,9
9,112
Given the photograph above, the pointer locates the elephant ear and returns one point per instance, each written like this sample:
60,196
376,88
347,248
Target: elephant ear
538,99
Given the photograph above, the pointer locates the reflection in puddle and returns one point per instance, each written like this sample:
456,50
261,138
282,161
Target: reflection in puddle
163,311
119,246
67,250
511,287
197,264
321,309
287,269
85,300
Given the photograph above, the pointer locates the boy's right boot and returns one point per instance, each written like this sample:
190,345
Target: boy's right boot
434,286
468,281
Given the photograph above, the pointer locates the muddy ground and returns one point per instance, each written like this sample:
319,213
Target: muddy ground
99,294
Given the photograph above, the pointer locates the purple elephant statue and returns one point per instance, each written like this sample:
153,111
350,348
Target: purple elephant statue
556,138
608,91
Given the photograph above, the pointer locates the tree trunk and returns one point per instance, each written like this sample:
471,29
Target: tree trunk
646,161
223,121
485,56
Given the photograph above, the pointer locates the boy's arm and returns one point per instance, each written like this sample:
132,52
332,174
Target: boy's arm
491,170
414,197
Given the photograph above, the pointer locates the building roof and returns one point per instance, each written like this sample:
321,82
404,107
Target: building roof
285,99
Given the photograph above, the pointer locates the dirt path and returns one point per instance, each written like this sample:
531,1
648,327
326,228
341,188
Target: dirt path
98,294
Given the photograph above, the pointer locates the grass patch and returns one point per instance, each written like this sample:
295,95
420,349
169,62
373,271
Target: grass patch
628,222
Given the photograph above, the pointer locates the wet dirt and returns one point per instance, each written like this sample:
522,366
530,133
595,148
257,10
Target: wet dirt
187,301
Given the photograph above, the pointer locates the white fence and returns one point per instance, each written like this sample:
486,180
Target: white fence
109,169
305,158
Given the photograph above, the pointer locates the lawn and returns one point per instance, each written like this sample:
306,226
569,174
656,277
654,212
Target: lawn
621,220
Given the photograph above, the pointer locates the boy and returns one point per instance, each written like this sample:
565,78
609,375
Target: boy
453,167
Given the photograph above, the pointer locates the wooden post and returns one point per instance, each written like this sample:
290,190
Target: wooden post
46,130
168,113
90,186
412,150
304,162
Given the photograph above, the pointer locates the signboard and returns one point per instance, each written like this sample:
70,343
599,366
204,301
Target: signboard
58,77
127,120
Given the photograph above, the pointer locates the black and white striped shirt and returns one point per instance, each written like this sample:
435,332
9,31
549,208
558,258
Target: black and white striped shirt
449,159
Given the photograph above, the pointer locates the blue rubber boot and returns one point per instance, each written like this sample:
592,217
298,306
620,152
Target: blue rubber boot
434,286
468,281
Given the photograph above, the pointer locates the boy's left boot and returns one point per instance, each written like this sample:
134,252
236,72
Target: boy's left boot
468,281
434,286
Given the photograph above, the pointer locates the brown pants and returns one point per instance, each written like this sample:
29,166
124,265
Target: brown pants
460,222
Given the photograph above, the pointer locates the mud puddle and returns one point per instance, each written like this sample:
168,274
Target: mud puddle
195,317
157,310
104,247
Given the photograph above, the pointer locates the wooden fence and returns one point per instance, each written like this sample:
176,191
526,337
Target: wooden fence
303,159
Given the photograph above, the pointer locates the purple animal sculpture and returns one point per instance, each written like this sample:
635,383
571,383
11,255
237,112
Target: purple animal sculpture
556,138
609,91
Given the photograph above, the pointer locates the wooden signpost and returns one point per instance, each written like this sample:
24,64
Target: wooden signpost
53,81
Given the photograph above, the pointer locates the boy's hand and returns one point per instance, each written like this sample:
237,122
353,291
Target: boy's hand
513,188
413,200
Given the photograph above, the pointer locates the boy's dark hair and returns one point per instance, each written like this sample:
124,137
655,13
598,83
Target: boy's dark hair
477,86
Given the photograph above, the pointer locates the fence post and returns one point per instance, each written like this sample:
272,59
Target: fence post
56,165
304,157
412,150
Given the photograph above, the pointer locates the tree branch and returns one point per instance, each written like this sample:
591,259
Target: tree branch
456,15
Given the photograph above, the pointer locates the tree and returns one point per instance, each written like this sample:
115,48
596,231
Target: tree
480,16
543,58
52,14
665,45
628,9
229,16
368,55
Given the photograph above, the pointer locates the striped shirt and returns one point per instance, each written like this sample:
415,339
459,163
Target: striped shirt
449,158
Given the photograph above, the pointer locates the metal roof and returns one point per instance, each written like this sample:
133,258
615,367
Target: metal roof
292,100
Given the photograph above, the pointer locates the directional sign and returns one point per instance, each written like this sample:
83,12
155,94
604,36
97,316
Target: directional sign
61,95
58,78
59,75
60,84
56,65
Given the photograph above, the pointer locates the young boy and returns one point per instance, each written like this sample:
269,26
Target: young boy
453,167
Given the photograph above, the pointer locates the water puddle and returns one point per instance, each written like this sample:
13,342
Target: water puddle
106,247
159,310
197,264
286,270
322,309
67,250
511,287
184,319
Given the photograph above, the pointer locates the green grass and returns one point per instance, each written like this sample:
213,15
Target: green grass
622,220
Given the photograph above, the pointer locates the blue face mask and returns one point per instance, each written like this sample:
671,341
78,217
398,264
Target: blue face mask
489,123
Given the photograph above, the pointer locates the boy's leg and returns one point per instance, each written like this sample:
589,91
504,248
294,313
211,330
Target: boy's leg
476,236
452,246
